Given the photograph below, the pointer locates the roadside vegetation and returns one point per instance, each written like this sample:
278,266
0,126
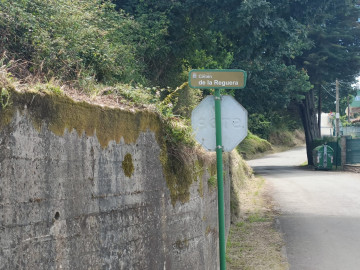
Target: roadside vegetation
253,146
254,242
279,140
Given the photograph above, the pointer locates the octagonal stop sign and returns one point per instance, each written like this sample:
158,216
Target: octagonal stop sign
234,124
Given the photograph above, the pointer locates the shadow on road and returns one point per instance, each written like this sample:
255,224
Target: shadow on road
272,170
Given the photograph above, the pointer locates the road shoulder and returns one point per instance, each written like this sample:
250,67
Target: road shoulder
254,241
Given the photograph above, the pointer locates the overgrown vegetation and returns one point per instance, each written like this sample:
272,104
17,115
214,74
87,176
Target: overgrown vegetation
4,98
241,173
77,41
279,139
252,145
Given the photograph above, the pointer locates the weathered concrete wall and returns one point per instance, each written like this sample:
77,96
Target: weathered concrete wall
71,201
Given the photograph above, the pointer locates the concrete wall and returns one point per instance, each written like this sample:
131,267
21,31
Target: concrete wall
70,202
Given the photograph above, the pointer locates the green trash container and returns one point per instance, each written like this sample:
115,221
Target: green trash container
323,157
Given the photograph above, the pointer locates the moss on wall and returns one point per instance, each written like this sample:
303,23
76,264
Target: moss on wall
178,175
6,115
182,244
181,166
61,113
127,165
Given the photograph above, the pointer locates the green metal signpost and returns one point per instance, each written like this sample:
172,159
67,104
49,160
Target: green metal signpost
220,181
219,79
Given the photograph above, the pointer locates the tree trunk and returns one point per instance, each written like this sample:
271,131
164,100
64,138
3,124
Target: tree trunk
308,118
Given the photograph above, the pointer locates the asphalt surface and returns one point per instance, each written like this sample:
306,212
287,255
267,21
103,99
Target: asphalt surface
320,211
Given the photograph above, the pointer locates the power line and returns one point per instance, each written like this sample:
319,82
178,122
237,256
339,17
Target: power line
328,92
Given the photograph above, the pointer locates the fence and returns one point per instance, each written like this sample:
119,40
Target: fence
352,151
353,131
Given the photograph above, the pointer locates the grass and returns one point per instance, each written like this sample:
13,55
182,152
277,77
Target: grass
256,217
255,147
304,164
252,146
212,181
253,242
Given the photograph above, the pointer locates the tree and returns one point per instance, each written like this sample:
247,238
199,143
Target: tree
262,37
334,33
188,40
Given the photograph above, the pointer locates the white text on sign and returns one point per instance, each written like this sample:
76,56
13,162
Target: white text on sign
215,79
218,83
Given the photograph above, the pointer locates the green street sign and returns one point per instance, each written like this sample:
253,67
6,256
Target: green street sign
217,78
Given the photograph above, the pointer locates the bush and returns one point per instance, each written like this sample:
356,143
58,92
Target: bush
260,125
71,39
253,145
268,124
187,100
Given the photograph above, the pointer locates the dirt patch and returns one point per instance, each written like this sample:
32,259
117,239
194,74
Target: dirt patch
253,242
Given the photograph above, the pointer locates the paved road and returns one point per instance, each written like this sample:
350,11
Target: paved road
320,210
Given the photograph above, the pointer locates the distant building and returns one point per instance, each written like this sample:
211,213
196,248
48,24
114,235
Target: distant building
355,106
327,128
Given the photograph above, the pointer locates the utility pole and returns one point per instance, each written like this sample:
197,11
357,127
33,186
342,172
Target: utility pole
348,105
337,110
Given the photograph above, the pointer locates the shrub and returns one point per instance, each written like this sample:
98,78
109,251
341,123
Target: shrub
260,125
71,39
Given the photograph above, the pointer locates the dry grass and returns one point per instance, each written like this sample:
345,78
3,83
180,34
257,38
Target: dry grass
15,75
253,242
